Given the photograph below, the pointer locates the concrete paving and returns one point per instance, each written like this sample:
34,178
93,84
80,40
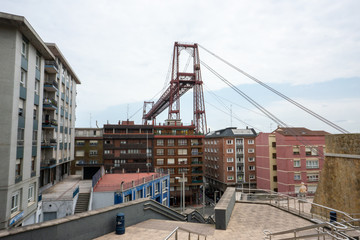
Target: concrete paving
64,190
248,221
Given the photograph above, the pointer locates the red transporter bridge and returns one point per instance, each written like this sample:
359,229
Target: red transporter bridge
180,83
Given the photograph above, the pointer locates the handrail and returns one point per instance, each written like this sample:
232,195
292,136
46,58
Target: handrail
336,231
175,231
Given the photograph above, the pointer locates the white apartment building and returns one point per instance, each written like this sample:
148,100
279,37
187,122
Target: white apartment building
24,100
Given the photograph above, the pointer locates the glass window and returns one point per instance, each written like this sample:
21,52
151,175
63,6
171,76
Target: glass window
251,141
160,142
182,142
80,154
15,202
160,151
171,142
296,150
230,159
171,161
297,176
312,164
182,151
297,163
229,150
182,160
251,150
31,193
160,161
171,151
251,159
229,142
251,168
93,152
230,169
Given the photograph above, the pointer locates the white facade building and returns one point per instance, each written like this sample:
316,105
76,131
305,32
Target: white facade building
23,58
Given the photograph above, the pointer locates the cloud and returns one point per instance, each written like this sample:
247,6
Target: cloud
121,49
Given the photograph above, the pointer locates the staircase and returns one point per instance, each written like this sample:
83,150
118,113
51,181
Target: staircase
82,203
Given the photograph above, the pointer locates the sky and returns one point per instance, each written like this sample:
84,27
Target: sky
308,50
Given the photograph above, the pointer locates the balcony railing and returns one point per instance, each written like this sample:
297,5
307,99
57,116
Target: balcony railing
52,123
196,153
49,104
196,162
51,85
48,163
51,67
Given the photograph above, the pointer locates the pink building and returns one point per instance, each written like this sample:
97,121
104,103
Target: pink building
287,157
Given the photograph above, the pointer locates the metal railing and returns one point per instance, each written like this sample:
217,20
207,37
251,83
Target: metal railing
334,230
175,233
297,205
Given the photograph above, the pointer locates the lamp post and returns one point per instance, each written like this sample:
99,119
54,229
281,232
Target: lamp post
182,192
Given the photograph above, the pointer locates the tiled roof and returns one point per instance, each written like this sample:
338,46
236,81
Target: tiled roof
232,132
299,132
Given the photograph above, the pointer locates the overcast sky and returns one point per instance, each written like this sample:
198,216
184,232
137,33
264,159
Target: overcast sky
120,50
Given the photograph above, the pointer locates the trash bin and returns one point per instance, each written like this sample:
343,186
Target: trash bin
120,223
333,216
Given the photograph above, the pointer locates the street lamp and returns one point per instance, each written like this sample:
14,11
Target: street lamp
182,193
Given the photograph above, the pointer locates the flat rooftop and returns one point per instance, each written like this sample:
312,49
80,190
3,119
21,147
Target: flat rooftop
112,182
248,221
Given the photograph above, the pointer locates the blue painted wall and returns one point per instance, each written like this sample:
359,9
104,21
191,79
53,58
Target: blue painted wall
162,193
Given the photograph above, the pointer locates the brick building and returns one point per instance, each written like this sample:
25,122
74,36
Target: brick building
128,147
230,158
289,156
178,149
88,152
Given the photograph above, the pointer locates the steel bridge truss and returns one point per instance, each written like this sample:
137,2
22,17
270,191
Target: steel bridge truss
180,83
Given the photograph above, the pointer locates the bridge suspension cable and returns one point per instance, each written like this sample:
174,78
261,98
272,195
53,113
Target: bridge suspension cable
326,121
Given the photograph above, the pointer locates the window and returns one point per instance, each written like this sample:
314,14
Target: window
297,176
33,164
311,151
182,142
80,142
164,201
31,194
171,161
160,151
148,191
230,159
107,142
313,177
183,170
182,160
275,178
117,163
230,177
160,161
230,169
251,176
229,150
229,142
252,168
251,141
171,142
93,142
171,171
164,185
251,159
24,49
37,62
182,151
123,142
274,155
160,142
297,163
239,141
15,202
93,153
296,150
23,78
36,90
171,151
34,137
20,136
157,186
273,144
35,113
18,166
107,151
274,167
80,154
312,163
21,108
251,150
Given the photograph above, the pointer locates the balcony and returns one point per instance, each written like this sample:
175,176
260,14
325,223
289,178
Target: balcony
62,112
51,86
67,99
51,67
18,178
62,96
196,153
108,156
49,143
49,124
133,155
49,104
48,163
36,99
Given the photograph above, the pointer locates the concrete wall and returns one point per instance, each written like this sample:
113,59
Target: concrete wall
339,185
85,225
224,208
102,199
